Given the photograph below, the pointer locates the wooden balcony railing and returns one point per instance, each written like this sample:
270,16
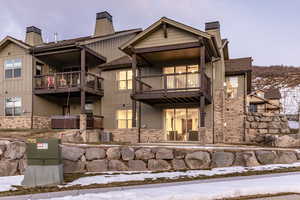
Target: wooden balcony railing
66,80
176,82
73,122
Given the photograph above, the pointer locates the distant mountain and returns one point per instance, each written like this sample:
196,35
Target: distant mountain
286,78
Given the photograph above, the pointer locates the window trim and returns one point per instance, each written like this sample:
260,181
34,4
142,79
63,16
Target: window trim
14,107
128,120
13,68
127,80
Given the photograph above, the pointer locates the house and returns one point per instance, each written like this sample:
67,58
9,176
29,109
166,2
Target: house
169,82
264,101
50,84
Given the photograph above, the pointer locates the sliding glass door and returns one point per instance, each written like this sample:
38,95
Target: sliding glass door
179,123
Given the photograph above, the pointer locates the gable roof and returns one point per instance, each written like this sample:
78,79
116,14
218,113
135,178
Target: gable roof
9,39
122,62
156,25
273,93
238,65
84,40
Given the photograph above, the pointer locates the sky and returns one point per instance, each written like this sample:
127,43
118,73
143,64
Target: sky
266,30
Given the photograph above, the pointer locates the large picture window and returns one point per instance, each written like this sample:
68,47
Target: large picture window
13,68
13,106
232,86
124,79
185,76
124,118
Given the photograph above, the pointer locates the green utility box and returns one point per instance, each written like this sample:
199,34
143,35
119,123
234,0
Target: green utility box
44,163
43,151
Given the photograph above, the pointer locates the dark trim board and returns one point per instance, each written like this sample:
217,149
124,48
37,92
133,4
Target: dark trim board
172,98
167,48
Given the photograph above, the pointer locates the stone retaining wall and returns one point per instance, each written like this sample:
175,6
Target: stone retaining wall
258,124
102,158
131,135
24,122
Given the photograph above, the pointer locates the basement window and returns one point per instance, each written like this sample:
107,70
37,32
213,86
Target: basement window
124,118
124,79
12,68
232,87
13,106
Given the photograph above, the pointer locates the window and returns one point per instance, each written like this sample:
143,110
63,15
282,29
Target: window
124,79
124,118
232,86
186,76
253,108
13,68
13,106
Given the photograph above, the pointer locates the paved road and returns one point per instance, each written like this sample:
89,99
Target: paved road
101,190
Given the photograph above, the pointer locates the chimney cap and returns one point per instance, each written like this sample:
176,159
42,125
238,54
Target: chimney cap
212,25
34,30
104,15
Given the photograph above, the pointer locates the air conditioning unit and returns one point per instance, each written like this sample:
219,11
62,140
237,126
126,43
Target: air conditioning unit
106,137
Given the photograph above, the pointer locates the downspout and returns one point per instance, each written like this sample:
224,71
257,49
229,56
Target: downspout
245,105
213,106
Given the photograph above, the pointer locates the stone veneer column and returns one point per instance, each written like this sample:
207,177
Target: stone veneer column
219,104
82,123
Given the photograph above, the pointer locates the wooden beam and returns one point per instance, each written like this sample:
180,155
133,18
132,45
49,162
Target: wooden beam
202,112
82,80
56,52
167,47
134,68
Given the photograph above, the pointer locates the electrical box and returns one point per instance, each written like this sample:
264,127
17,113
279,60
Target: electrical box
43,151
44,163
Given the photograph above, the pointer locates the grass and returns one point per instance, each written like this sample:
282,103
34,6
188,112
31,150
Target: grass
71,177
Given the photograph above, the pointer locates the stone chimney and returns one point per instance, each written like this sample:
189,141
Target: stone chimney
33,36
213,28
104,24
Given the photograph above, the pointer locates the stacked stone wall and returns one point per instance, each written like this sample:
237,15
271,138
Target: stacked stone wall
102,158
131,135
24,122
259,124
234,120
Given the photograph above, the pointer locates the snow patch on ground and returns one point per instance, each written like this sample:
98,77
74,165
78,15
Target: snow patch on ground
203,191
289,99
293,124
7,182
104,179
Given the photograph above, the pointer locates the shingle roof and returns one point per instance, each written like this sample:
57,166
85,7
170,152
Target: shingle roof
273,93
79,39
124,61
238,65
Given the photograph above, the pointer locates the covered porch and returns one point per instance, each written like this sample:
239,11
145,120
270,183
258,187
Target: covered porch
66,80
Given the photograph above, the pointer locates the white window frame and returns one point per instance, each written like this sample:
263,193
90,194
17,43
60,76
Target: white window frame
14,106
14,66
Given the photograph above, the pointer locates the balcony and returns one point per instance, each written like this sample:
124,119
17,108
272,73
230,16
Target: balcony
67,82
177,88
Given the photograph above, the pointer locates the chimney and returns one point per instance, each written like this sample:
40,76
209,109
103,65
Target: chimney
33,36
104,24
213,28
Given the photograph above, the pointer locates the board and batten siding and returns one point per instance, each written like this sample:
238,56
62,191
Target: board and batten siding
16,87
175,36
110,48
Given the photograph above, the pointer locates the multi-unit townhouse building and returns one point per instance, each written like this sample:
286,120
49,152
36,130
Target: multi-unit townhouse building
169,82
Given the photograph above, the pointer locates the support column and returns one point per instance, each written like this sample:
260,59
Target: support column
82,80
134,67
202,128
139,118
